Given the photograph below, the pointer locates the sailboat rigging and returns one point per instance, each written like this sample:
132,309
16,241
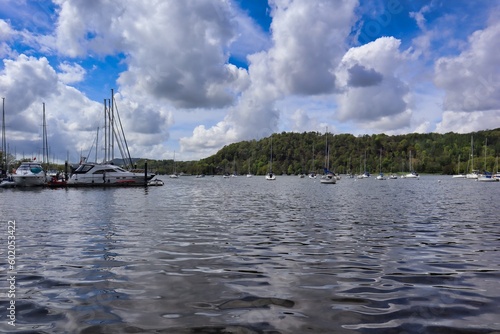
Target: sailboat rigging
329,177
107,173
270,175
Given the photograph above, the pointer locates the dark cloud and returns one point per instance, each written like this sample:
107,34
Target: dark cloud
360,76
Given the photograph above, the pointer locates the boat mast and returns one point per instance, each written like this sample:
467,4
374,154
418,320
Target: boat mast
121,140
96,144
45,146
472,153
485,147
312,167
4,142
110,134
327,155
380,162
112,124
271,154
105,134
411,165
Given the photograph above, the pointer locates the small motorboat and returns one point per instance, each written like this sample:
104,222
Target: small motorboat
155,182
8,182
56,182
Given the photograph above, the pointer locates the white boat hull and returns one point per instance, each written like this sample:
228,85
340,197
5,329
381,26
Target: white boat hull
107,175
486,179
155,182
7,184
29,174
29,180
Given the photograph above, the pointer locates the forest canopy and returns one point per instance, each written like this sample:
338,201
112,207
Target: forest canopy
295,153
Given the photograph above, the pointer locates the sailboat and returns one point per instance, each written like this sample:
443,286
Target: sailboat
473,173
458,175
249,174
486,176
412,174
329,177
7,181
270,175
497,174
365,174
174,174
312,175
234,168
380,175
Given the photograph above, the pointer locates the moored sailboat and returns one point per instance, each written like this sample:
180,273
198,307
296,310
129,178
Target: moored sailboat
458,175
412,174
486,176
270,174
329,177
473,174
380,176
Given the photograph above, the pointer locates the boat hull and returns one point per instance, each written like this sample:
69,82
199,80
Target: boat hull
99,175
99,182
29,180
328,179
486,179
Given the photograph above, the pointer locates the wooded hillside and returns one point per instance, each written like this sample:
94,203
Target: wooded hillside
295,153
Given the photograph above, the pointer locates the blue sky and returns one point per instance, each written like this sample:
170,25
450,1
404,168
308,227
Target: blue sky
192,76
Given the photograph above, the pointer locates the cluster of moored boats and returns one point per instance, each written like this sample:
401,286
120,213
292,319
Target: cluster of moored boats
481,177
32,174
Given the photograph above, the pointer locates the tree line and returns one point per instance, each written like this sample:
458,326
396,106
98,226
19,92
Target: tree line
295,153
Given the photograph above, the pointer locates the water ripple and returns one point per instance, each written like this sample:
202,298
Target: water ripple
244,255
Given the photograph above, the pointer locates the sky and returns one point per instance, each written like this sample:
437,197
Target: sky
192,76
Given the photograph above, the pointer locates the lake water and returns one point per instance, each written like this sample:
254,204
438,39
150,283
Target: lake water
246,255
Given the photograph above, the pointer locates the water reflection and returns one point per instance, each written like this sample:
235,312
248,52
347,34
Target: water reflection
243,255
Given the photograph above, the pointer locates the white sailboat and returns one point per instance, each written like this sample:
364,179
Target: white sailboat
380,175
486,176
474,174
235,174
412,174
458,175
312,174
365,174
329,177
6,179
174,175
270,175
